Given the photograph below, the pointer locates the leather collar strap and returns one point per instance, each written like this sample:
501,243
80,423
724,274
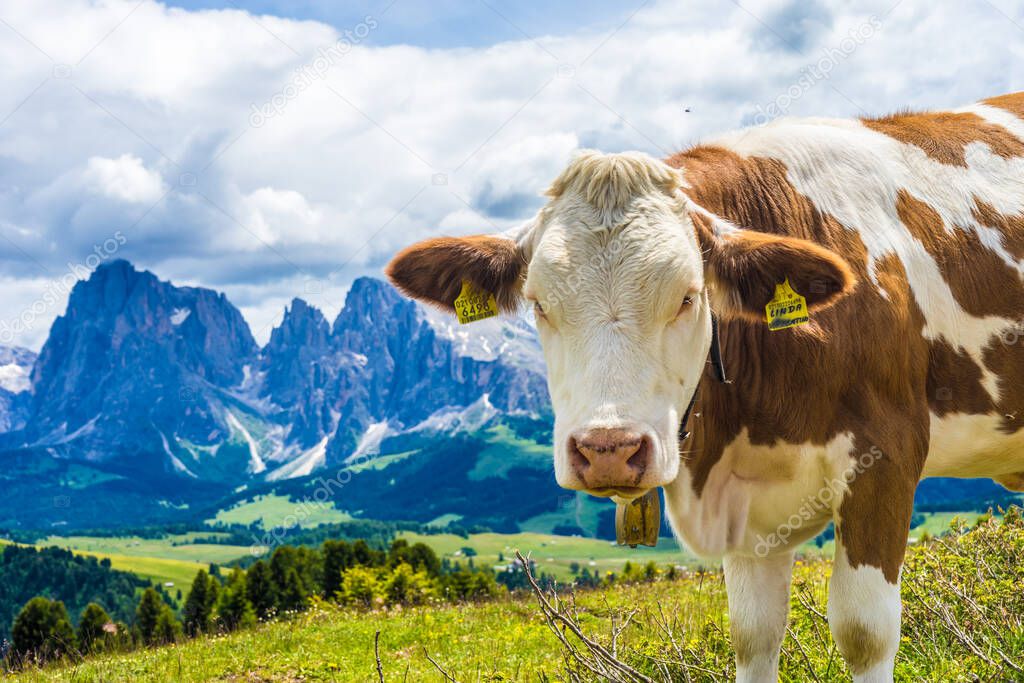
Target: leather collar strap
717,367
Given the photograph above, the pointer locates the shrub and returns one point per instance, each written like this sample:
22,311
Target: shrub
407,587
360,586
43,629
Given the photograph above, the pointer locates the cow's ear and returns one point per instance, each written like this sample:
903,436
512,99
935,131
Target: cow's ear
743,267
432,271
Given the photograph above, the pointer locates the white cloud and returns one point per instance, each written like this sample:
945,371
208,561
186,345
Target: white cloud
345,174
124,178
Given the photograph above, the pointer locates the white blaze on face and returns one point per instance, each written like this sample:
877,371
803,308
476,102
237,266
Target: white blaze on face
623,317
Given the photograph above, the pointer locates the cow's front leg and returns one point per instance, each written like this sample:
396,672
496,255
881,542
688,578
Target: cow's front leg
864,616
864,593
758,590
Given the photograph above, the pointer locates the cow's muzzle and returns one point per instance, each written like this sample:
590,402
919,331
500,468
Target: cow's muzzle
610,462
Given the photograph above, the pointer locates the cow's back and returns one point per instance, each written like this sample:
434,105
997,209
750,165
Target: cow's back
929,211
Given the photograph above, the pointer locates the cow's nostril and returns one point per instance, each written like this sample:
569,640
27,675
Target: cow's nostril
638,461
577,458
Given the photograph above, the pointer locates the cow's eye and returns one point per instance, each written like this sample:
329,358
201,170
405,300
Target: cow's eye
684,307
538,310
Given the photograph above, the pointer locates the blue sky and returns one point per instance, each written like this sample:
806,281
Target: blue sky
279,149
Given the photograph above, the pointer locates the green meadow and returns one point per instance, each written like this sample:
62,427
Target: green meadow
275,510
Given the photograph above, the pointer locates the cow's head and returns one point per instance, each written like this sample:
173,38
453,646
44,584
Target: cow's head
622,271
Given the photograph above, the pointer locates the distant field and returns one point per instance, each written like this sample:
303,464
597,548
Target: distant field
553,554
158,570
937,523
274,510
173,547
170,559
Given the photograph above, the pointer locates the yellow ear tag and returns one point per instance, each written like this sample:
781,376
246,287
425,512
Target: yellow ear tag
786,309
474,304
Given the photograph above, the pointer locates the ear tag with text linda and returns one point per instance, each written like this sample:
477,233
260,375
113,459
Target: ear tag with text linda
474,304
786,309
638,521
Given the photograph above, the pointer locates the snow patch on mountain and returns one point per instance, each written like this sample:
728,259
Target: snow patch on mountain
513,340
369,444
307,462
176,464
471,418
16,368
256,464
15,378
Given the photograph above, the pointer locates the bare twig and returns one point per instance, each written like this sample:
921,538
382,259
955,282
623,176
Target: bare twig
376,654
602,659
447,676
803,654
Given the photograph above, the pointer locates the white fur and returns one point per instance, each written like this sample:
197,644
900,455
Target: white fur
753,491
758,591
973,446
999,117
611,271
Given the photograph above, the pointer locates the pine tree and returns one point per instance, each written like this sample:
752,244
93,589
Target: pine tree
293,595
259,586
213,588
338,558
198,606
167,628
233,607
91,634
147,614
365,555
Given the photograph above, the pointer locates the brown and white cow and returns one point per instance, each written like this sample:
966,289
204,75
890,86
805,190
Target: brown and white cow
906,236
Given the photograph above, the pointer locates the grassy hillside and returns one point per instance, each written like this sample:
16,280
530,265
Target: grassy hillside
963,620
177,573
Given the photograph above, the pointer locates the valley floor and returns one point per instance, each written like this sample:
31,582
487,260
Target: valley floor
963,620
